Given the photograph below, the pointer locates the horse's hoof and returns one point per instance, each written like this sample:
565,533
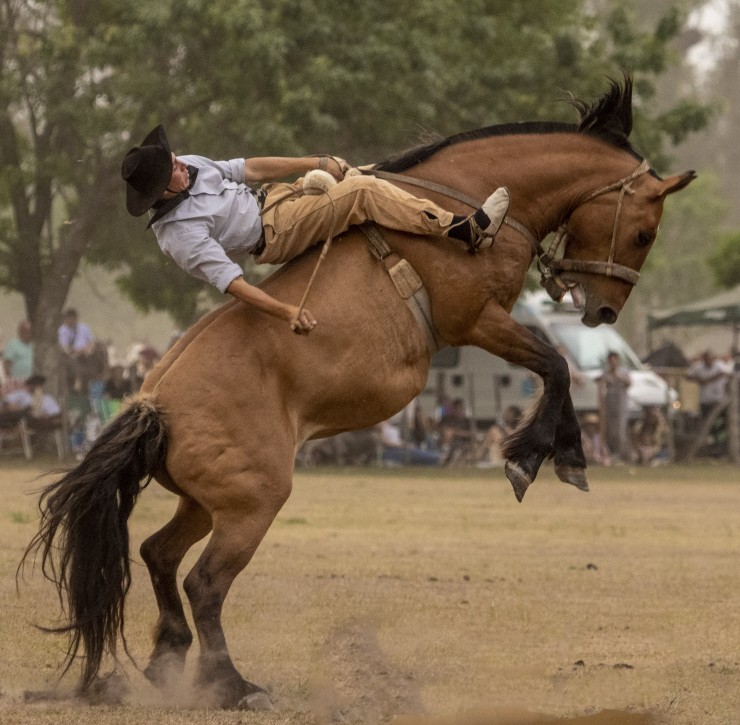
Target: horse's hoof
164,670
111,689
573,475
255,701
519,478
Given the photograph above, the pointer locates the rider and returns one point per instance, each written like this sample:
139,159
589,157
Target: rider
202,211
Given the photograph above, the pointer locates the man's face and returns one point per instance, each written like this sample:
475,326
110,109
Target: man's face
180,179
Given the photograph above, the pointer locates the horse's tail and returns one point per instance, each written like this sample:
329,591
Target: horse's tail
83,534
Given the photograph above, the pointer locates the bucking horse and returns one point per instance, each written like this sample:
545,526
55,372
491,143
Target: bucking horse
219,420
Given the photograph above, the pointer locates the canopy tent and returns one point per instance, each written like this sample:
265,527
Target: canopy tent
721,309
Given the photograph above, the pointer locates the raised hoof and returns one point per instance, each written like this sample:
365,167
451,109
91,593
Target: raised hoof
573,475
255,701
519,478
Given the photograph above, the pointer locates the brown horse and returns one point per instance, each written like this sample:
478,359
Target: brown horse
221,417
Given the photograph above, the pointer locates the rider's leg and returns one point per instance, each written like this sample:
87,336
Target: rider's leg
298,222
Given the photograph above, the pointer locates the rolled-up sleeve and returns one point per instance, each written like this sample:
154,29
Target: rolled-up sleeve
198,254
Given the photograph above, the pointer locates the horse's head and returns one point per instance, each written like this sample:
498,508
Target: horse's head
611,228
609,237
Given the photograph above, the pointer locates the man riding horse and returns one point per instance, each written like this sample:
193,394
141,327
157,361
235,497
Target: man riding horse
203,211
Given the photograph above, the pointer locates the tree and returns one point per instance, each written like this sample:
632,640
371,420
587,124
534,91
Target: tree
83,81
725,261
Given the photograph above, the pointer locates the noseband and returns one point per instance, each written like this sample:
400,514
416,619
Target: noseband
550,267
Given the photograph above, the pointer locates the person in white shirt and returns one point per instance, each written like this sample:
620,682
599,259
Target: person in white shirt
712,375
42,409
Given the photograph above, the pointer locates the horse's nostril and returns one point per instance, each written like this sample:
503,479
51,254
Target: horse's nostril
607,315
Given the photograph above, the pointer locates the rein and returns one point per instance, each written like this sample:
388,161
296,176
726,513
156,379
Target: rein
550,267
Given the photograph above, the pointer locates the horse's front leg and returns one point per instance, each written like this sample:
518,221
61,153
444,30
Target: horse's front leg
569,459
546,427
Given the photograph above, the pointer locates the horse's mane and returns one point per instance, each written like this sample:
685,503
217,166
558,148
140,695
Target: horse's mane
609,119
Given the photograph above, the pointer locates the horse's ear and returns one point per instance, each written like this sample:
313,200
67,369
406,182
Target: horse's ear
676,183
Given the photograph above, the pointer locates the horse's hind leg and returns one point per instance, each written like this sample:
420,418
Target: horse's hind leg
240,522
162,552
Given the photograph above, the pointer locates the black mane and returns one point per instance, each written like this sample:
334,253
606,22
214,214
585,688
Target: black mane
609,119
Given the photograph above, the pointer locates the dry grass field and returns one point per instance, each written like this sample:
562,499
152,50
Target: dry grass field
433,597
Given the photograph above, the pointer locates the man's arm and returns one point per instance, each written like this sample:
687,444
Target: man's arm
271,168
251,295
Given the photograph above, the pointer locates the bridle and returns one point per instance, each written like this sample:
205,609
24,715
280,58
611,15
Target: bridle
549,264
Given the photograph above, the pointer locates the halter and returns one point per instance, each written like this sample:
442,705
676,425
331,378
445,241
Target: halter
550,267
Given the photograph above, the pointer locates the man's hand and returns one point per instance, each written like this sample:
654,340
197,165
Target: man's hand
337,167
302,323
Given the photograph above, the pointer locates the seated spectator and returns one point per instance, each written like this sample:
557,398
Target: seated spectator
456,435
41,409
396,451
18,357
498,433
85,360
592,440
115,389
650,437
146,359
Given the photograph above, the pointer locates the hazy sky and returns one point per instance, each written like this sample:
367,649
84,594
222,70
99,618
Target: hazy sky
712,19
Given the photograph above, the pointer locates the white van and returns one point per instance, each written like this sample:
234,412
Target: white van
488,384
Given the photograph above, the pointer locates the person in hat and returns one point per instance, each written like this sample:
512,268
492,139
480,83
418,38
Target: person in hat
203,211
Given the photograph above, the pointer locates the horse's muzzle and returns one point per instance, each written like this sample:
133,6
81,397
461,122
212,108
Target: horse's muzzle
603,315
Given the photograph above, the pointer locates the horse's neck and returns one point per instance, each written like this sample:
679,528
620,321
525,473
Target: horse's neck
546,174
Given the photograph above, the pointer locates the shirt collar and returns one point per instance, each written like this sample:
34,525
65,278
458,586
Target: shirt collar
165,206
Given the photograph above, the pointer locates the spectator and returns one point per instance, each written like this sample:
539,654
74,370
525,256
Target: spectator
43,411
74,337
397,452
650,437
592,440
455,433
115,389
711,374
614,383
145,361
498,433
85,361
18,356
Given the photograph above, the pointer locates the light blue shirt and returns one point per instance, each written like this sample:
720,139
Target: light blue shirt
20,356
220,218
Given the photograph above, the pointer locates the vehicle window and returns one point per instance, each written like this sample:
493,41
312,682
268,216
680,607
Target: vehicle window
588,347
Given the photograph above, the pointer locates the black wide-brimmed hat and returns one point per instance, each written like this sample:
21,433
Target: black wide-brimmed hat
147,170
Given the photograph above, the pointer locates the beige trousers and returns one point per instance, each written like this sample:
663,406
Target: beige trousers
299,222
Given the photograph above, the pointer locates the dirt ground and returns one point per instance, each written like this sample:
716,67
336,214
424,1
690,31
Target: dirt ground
425,597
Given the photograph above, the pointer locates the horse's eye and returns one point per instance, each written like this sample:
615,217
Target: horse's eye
645,238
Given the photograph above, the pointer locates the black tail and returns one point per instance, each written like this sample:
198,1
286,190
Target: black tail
83,534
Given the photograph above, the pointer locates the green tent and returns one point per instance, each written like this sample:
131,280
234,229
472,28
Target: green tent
721,309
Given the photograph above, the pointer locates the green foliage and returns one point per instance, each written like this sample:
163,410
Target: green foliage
725,261
82,82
